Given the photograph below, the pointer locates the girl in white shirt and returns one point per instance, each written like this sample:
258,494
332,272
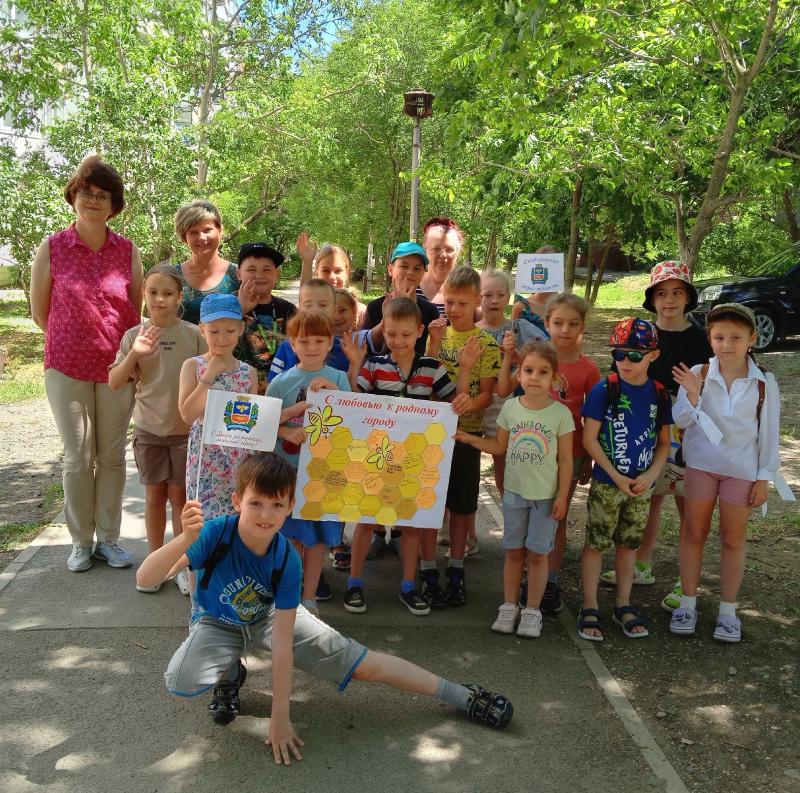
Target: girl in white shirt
730,411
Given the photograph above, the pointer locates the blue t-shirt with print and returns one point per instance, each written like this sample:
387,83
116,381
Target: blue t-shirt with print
629,439
285,359
291,387
240,589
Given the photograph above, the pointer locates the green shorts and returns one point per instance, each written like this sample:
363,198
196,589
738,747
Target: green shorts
614,518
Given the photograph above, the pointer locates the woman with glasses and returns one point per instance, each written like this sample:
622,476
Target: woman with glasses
443,240
199,225
86,289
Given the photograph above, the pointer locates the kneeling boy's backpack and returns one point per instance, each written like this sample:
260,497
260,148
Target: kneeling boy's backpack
223,547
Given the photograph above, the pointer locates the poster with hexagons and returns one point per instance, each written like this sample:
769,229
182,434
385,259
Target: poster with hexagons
375,459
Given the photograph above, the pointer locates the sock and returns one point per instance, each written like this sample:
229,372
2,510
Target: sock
552,576
453,694
351,582
457,563
427,565
727,609
688,602
407,586
310,604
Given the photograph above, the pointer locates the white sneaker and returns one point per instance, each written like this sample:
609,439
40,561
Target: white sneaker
148,589
113,554
530,623
182,582
80,559
506,618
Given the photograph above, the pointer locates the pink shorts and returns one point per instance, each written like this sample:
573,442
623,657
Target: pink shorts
703,486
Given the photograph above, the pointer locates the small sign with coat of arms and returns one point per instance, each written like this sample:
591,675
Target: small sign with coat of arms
245,421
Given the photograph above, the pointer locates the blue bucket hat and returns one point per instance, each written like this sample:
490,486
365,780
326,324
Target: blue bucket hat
220,306
409,249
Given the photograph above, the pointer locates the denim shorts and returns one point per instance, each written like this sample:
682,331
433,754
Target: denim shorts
527,523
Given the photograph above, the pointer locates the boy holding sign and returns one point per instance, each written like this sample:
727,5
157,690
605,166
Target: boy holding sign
249,594
401,373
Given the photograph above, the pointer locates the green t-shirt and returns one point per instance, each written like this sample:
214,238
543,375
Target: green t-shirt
488,365
532,455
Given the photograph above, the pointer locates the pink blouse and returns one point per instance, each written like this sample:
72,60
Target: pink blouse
90,309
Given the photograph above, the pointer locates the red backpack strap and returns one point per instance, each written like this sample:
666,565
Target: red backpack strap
663,399
612,387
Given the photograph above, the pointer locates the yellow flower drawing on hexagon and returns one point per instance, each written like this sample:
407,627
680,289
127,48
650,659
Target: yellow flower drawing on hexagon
321,423
382,455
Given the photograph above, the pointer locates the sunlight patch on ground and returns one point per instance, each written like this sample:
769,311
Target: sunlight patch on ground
721,715
80,658
77,762
187,756
436,750
32,737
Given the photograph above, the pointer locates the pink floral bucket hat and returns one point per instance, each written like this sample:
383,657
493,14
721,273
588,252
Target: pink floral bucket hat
670,271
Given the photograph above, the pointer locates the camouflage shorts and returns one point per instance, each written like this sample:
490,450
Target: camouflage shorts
614,518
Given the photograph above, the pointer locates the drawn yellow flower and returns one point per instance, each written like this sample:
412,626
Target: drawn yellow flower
382,455
321,423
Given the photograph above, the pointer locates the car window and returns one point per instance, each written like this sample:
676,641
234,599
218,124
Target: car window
780,264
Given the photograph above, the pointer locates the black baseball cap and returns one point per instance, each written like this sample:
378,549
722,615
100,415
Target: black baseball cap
261,251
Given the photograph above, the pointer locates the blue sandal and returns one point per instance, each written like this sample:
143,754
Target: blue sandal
619,614
596,623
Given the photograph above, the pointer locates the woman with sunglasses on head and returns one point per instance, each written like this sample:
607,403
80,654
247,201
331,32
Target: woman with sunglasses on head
199,225
86,291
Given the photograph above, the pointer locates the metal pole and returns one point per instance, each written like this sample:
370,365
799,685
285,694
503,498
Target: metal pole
415,180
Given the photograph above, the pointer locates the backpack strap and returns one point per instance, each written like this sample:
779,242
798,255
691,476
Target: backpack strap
762,392
663,399
613,389
277,572
703,373
220,551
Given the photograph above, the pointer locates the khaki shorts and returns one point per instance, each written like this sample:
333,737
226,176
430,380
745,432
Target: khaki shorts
160,459
614,518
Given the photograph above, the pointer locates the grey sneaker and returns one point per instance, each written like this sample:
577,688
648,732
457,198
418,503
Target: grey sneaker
530,623
80,559
113,554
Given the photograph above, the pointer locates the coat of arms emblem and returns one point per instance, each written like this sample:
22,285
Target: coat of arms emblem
539,274
240,414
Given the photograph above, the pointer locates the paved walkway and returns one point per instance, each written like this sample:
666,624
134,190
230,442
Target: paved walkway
84,707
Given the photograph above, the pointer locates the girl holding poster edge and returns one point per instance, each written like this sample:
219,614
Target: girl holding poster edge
311,338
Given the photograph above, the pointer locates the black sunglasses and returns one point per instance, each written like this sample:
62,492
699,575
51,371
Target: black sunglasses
634,356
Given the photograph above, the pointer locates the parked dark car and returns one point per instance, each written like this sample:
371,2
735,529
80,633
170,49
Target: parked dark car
772,290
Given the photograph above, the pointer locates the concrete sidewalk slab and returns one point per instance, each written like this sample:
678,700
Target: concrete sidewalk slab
86,710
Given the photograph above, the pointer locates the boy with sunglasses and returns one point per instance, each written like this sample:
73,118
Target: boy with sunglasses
626,431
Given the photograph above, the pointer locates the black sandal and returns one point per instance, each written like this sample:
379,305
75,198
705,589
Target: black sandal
596,623
627,625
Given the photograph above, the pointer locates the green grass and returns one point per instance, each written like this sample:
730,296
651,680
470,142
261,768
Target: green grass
16,535
23,342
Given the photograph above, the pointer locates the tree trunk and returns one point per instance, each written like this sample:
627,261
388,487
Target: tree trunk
204,112
738,89
589,267
490,261
572,252
601,270
791,215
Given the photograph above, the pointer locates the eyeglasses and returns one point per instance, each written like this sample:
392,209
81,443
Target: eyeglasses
634,356
87,195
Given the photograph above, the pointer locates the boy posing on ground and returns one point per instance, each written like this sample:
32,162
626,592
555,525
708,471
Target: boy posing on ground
249,594
462,295
626,432
265,315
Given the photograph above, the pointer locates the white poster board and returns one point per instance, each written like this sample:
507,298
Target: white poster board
245,421
375,459
539,272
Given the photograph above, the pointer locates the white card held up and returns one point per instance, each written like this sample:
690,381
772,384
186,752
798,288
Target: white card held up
539,272
244,421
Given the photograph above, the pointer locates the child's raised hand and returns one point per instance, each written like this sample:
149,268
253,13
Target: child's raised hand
285,742
354,348
406,288
249,297
305,247
192,520
461,404
470,353
321,382
436,329
691,382
146,341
